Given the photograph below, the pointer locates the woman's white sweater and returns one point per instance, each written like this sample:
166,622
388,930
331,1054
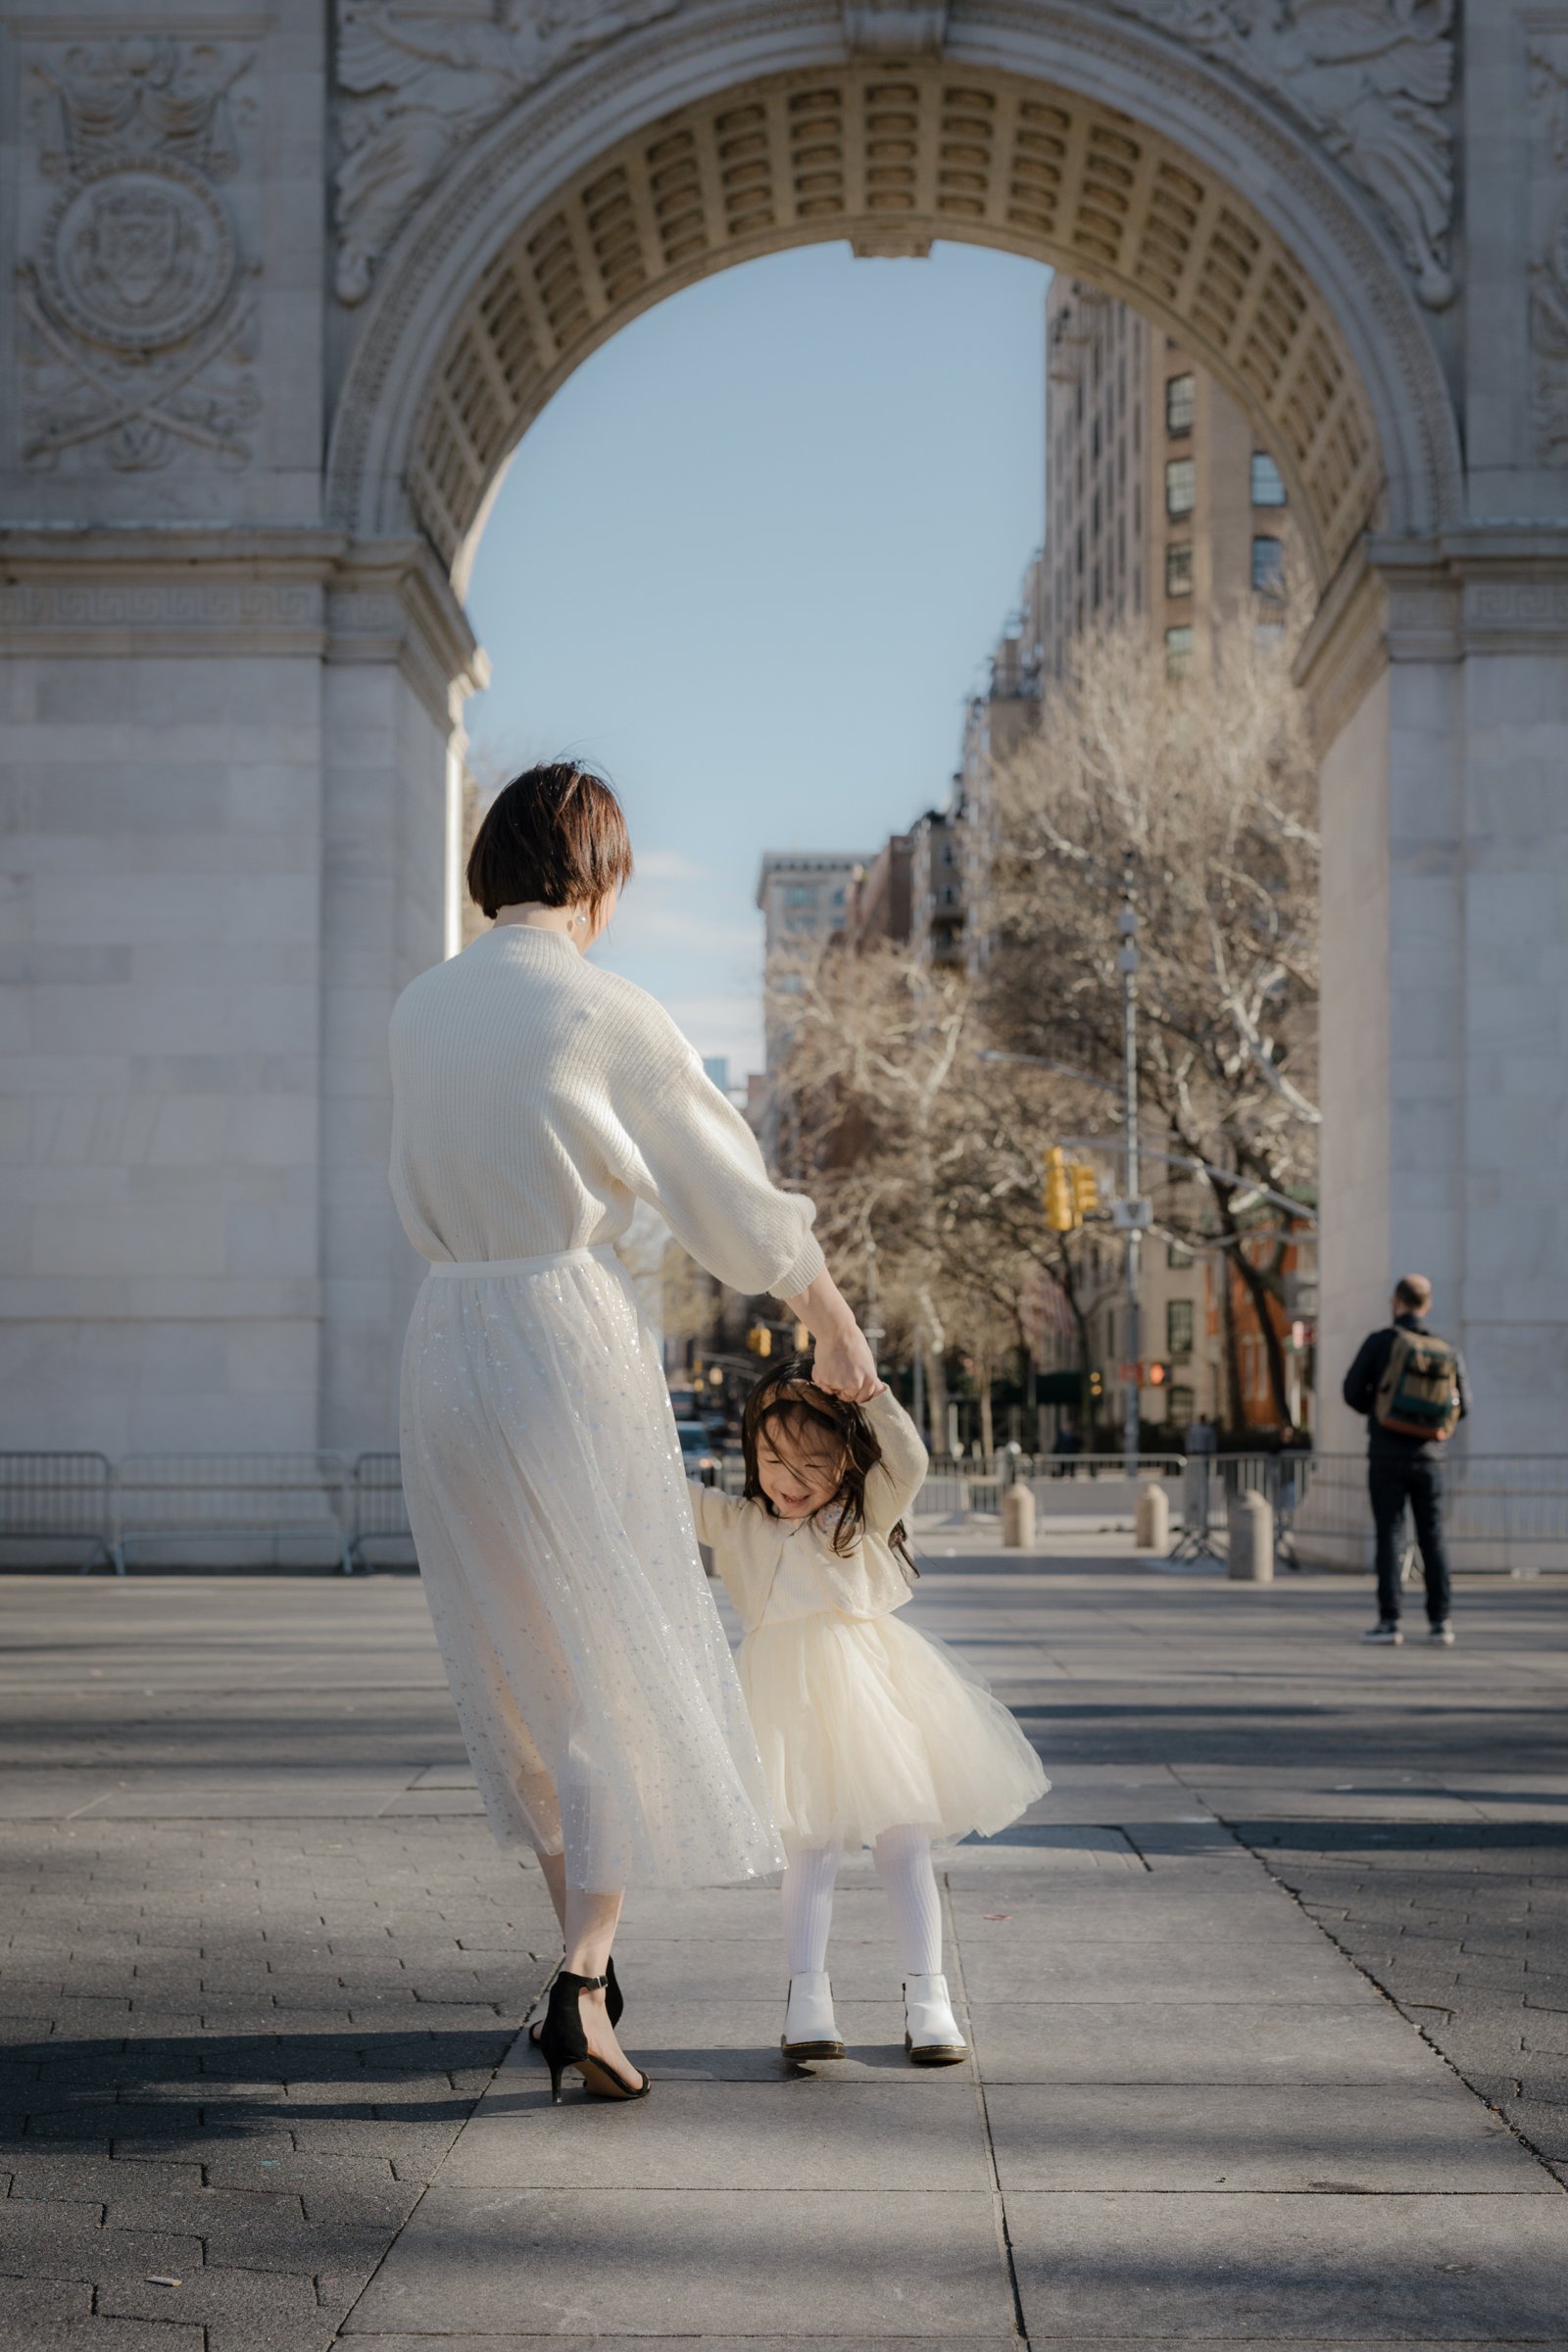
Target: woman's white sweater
775,1569
535,1098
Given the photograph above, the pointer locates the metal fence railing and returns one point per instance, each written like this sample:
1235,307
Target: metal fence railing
232,1502
380,1511
1503,1512
56,1503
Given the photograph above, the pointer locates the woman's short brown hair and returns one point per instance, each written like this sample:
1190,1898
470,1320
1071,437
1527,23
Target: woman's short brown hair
553,837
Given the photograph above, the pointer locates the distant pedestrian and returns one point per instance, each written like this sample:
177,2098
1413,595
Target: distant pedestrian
1411,1386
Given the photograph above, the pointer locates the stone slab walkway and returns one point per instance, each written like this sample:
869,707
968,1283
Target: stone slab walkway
264,1977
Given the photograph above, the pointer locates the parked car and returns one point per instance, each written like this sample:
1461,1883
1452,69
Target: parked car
697,1451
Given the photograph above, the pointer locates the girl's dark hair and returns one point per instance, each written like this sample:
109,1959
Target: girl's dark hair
789,1406
553,837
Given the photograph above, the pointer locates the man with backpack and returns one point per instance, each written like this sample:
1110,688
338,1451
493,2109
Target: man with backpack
1411,1387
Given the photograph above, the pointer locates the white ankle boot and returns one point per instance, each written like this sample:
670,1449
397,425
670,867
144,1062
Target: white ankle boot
810,2030
931,2033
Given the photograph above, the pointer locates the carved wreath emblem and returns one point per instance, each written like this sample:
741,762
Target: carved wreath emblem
139,256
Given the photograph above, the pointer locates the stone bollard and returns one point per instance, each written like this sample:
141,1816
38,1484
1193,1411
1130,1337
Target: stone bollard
1249,1519
1018,1517
1152,1520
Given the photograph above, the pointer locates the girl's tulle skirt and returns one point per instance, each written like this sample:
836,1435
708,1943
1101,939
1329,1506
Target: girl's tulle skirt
866,1724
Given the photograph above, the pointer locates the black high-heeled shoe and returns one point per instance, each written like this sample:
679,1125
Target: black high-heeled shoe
562,2044
614,2006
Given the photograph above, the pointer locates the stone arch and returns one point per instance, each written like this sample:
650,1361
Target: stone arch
1166,184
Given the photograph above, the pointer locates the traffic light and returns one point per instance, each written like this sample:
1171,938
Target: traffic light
1097,1386
1085,1191
1159,1374
1061,1215
760,1339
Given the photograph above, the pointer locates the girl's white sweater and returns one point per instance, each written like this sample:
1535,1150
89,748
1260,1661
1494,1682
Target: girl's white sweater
783,1568
535,1098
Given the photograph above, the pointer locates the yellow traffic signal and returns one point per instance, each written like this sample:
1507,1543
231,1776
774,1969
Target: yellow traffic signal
1085,1191
760,1339
1060,1216
1097,1386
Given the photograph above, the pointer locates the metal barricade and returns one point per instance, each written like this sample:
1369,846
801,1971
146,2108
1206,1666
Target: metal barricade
228,1500
1502,1513
380,1507
51,1499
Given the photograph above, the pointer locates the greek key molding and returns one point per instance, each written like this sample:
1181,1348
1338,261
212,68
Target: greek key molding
201,594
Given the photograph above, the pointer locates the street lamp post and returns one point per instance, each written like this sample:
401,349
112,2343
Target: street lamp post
1127,965
875,1332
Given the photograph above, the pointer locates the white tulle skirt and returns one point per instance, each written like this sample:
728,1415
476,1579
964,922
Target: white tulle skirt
866,1724
546,1495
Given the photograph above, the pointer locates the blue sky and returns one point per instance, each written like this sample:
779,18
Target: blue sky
749,562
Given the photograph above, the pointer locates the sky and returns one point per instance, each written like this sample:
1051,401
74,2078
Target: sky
749,563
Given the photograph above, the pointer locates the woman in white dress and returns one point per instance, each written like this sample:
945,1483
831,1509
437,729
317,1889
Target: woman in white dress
535,1100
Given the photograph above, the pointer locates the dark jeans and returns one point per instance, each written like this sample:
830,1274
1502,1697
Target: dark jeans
1394,1482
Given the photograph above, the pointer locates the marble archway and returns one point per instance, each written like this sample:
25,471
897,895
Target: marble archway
508,183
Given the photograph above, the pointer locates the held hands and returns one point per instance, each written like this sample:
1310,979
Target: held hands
844,1364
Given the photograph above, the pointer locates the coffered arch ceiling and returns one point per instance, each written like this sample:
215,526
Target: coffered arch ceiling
891,158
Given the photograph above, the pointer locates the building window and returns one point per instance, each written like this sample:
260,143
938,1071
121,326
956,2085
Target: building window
1178,1327
1268,566
1093,517
1177,1255
1078,551
1269,487
1179,651
1097,588
1094,440
1179,567
1181,398
1182,1407
1181,486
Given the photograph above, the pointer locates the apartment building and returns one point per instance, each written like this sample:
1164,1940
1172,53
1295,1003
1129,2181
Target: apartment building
1159,502
879,905
936,884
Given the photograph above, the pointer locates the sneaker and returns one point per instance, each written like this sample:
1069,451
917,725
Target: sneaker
1384,1632
1440,1633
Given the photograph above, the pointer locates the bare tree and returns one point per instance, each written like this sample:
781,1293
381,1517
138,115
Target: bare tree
876,1040
1200,796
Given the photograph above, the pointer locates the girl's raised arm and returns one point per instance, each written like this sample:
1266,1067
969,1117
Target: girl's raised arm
891,1487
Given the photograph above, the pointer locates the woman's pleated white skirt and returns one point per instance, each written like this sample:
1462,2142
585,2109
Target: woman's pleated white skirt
547,1497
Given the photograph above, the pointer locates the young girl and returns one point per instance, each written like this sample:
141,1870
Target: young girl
870,1735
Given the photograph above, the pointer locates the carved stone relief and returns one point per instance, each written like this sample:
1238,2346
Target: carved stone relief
1369,79
1548,267
138,314
416,86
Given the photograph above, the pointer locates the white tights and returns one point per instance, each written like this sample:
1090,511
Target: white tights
902,1858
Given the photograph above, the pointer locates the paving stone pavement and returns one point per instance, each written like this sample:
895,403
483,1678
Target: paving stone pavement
1266,2001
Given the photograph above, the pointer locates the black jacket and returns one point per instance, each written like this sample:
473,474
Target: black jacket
1361,1384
